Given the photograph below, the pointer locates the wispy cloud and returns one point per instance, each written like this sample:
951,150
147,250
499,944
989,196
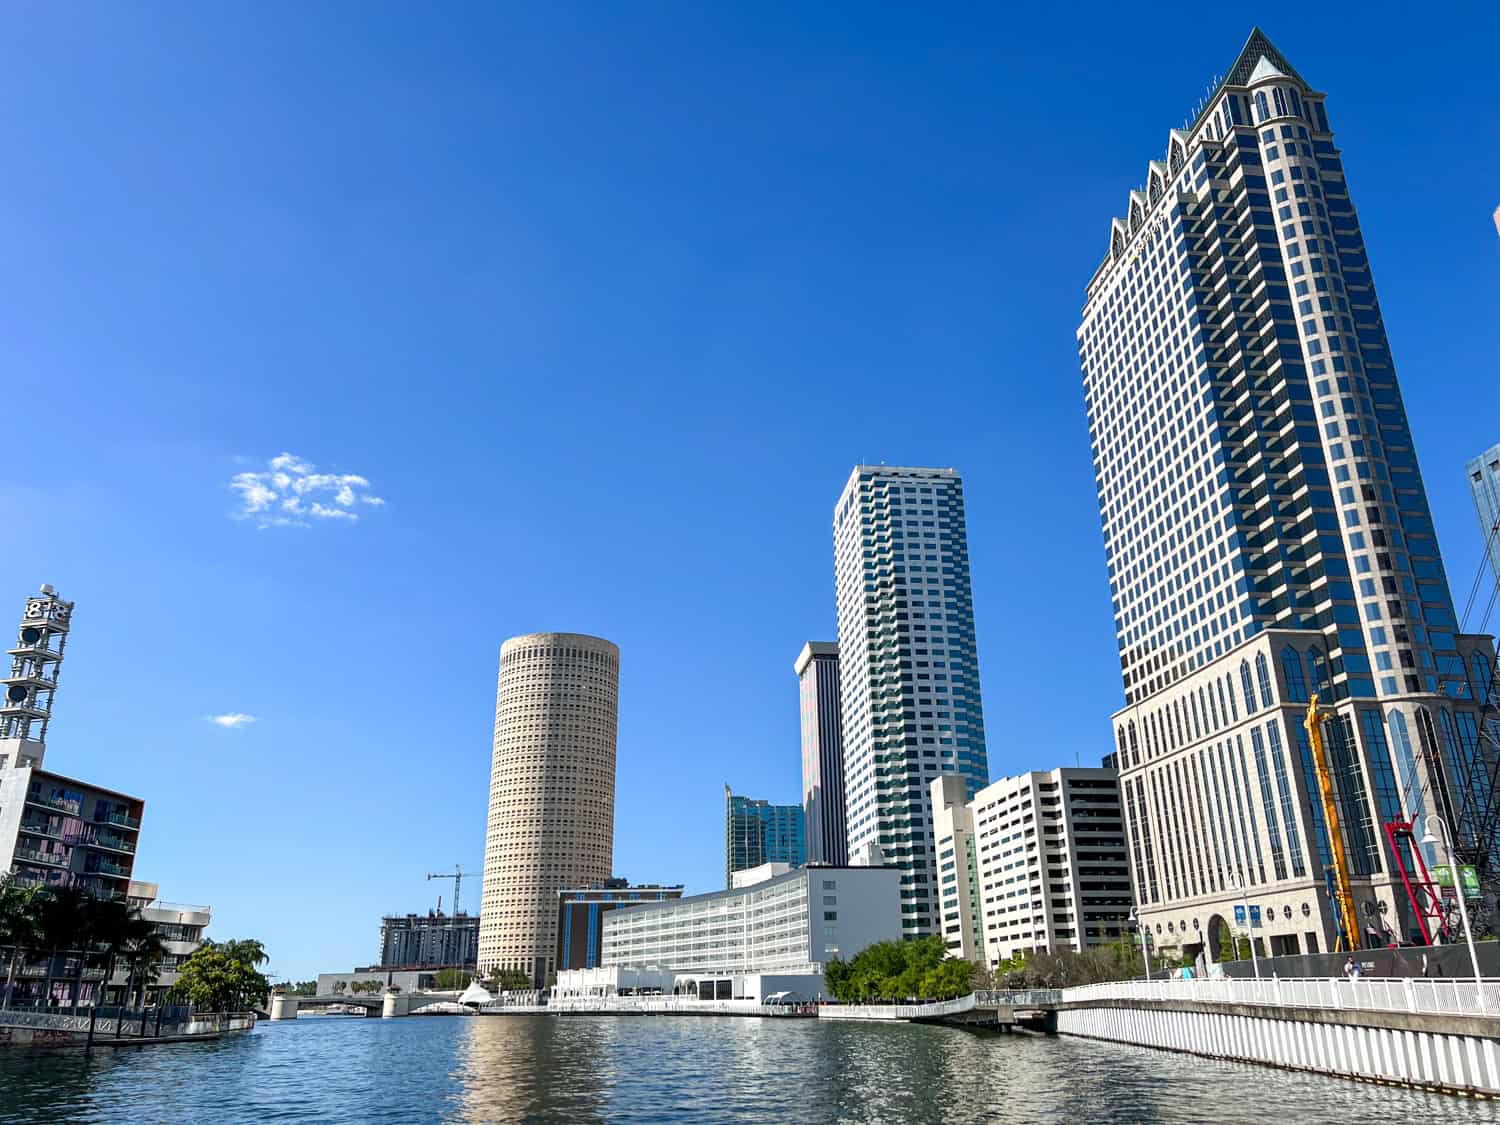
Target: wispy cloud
290,492
234,720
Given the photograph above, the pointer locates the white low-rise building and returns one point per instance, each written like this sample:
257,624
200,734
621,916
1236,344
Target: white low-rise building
750,942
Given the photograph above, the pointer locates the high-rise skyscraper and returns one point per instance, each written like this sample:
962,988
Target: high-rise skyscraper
908,666
1484,481
817,669
757,832
552,792
1267,536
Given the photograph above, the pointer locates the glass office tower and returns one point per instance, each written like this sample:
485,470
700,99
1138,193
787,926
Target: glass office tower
908,668
757,832
1484,482
1267,536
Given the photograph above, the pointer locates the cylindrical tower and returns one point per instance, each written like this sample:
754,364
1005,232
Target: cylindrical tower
552,792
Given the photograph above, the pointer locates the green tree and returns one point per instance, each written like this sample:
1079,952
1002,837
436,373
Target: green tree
302,988
20,930
453,980
509,980
223,977
900,970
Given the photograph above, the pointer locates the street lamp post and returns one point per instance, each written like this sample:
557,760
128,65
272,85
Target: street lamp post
1237,881
1145,933
1458,887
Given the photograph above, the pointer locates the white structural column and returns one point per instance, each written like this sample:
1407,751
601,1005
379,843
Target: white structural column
552,792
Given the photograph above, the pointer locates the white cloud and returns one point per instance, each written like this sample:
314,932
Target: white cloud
234,720
291,493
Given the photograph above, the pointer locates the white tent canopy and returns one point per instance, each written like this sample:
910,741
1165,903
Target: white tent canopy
476,994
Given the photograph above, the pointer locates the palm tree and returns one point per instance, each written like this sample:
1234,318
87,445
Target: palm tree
19,931
249,951
143,950
64,919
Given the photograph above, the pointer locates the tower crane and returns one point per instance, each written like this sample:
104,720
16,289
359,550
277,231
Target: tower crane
458,877
1339,889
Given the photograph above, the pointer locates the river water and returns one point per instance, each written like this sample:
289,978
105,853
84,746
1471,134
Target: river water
683,1068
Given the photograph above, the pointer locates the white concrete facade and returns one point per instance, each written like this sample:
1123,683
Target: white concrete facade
791,924
908,666
1050,864
958,872
552,792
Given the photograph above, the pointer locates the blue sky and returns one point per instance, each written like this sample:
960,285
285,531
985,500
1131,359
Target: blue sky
604,303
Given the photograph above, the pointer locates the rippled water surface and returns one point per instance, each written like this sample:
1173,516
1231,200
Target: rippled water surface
547,1068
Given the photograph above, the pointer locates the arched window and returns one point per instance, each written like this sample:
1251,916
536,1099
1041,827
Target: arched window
1291,671
1263,675
1262,107
1318,664
1280,98
1135,747
1296,102
1124,757
1234,711
1248,687
1481,677
1406,762
1174,158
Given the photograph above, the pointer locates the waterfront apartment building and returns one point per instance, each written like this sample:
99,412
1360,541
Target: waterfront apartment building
791,924
1035,862
817,668
429,941
1267,536
181,928
757,832
1484,482
908,667
552,792
54,830
581,912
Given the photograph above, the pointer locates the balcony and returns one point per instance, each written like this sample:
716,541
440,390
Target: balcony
107,867
119,818
34,828
50,859
71,808
106,842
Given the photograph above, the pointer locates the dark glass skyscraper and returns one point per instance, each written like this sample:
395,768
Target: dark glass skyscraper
1267,533
757,832
1484,482
817,669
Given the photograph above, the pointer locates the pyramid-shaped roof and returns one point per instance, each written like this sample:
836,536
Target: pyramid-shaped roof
1265,69
1257,50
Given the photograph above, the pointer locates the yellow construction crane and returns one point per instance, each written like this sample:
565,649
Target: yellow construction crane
1338,883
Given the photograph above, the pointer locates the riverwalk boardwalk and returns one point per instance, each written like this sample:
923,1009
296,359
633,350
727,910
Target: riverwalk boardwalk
1432,1034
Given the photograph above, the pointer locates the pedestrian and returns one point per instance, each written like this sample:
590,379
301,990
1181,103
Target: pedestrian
1351,968
1425,966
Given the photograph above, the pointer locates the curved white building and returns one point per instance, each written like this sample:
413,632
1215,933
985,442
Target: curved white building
552,792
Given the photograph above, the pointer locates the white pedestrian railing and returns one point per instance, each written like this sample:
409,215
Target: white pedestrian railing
1375,994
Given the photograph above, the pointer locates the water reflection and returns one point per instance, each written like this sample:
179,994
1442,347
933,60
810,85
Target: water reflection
678,1069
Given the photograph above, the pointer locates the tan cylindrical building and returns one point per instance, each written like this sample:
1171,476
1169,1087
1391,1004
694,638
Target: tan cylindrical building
552,792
